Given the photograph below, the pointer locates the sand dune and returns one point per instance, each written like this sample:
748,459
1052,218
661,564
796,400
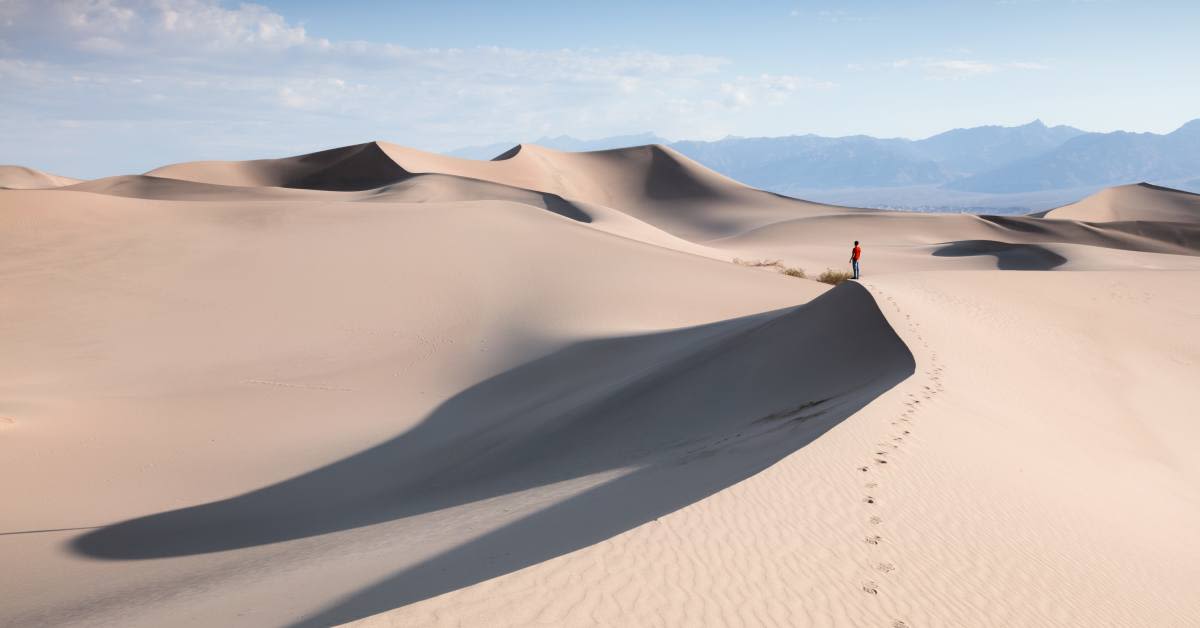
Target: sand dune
22,178
1141,201
358,167
654,184
1036,475
166,189
377,384
898,242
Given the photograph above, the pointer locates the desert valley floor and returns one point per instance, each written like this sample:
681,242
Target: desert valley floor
383,386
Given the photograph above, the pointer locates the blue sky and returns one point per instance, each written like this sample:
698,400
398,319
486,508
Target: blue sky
99,87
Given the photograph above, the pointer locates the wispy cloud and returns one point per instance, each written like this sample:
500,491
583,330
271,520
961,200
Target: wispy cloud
768,89
940,68
1027,65
221,78
965,68
957,68
197,59
832,16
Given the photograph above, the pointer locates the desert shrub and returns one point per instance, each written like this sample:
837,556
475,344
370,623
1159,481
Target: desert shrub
758,263
834,277
771,263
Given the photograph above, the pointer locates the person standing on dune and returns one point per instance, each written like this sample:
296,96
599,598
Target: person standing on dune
854,255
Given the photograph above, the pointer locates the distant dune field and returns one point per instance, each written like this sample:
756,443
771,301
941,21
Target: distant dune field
390,387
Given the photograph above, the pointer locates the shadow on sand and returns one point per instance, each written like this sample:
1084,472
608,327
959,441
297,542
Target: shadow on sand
686,413
1008,256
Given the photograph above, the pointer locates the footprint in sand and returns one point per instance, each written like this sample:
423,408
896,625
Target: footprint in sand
885,567
874,539
868,499
871,484
870,587
863,469
876,520
899,624
880,461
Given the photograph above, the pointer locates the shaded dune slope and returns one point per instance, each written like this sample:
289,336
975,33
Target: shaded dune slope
357,167
663,189
325,386
686,413
157,188
908,229
411,189
420,188
651,183
342,375
614,178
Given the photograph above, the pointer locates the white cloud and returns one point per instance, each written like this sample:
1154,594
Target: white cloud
952,68
165,25
201,64
836,16
767,89
327,94
958,68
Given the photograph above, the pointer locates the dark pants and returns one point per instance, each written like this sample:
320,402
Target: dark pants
854,263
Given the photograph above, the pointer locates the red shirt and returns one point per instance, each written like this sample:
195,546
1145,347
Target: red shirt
857,253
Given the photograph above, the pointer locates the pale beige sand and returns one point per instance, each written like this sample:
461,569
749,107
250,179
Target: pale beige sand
22,178
1039,473
1141,201
654,184
304,391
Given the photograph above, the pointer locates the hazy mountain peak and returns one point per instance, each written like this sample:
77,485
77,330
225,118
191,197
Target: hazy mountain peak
1190,127
992,159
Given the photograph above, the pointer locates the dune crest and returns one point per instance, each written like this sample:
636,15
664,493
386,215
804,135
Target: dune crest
377,383
22,178
349,168
1137,201
609,177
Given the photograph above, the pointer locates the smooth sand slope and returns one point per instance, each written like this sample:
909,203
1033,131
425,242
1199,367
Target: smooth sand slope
1141,201
22,178
374,381
1035,471
650,183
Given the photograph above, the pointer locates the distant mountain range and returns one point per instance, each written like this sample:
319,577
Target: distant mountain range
812,161
1096,159
1026,167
